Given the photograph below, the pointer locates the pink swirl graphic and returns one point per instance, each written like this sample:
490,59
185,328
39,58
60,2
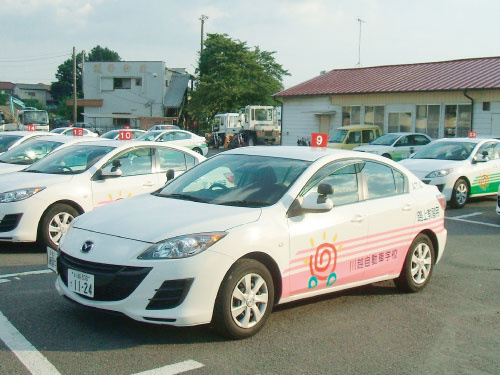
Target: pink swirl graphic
324,261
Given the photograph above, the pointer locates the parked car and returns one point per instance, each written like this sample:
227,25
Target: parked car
163,127
460,167
250,228
396,146
178,137
27,153
39,202
74,131
114,134
11,139
350,136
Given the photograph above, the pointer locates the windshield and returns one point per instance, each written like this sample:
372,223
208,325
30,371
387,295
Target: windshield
70,160
263,114
236,180
58,130
29,152
39,117
445,151
338,136
7,140
150,135
110,135
386,140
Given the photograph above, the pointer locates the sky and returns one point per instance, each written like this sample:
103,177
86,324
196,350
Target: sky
308,36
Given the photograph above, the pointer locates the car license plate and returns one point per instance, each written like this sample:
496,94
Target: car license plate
81,283
52,259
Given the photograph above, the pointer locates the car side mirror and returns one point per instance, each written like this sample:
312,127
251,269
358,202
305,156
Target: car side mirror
170,174
313,202
483,158
112,170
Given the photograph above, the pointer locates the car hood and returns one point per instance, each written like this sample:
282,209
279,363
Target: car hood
429,165
149,218
371,148
21,180
7,168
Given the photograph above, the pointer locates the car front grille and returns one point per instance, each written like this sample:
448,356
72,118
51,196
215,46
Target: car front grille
10,222
170,294
111,282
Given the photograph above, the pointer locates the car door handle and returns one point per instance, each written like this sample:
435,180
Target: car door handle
407,207
358,218
148,183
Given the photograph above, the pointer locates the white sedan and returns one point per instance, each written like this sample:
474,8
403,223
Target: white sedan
178,137
27,153
251,228
11,139
39,202
115,133
460,167
396,146
74,131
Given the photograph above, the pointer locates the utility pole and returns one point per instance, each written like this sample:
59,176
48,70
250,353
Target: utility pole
203,18
358,65
74,86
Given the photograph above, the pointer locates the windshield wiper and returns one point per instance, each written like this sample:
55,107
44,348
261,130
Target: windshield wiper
32,171
184,197
243,203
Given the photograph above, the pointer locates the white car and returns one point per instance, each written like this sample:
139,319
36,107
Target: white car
460,167
27,153
74,131
178,137
250,228
11,139
163,127
115,134
39,202
396,146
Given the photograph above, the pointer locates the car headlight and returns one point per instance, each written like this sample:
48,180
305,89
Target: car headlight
182,246
19,195
439,173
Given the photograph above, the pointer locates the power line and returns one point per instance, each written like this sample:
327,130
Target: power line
36,59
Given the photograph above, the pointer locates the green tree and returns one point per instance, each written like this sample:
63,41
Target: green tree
232,75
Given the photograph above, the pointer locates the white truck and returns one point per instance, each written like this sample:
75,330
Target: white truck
27,118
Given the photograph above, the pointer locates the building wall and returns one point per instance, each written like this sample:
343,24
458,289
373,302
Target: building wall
42,95
303,115
140,100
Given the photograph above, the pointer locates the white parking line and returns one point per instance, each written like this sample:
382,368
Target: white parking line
31,358
460,218
176,368
39,272
464,216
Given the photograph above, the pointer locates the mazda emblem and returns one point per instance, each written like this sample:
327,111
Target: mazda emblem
87,246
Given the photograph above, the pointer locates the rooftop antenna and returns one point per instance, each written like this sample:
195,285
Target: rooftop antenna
358,65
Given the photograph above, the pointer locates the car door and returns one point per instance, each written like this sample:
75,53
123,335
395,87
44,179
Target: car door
486,169
391,216
325,245
137,177
403,148
169,158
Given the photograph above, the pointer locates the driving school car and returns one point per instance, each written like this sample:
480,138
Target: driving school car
460,167
39,202
396,146
250,228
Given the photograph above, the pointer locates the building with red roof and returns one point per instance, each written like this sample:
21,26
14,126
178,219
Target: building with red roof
442,99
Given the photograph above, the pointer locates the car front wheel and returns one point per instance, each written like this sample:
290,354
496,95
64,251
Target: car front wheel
54,224
418,265
245,300
460,193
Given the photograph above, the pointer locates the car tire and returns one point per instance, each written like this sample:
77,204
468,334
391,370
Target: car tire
460,193
198,150
54,223
418,265
388,156
237,303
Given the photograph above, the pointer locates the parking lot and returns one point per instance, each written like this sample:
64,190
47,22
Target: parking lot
449,328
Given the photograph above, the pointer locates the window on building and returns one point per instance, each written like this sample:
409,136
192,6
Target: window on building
457,120
351,115
427,120
30,93
399,122
486,106
374,115
138,81
122,83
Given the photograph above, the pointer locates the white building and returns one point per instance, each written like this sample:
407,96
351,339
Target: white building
39,92
134,93
441,99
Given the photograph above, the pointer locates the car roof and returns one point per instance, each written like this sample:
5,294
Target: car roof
353,127
292,152
134,143
24,133
465,139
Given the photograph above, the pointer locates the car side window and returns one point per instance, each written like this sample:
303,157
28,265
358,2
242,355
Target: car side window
166,137
181,135
174,159
403,141
136,162
382,180
490,150
368,136
420,140
354,137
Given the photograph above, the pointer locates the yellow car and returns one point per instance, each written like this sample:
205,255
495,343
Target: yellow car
350,136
